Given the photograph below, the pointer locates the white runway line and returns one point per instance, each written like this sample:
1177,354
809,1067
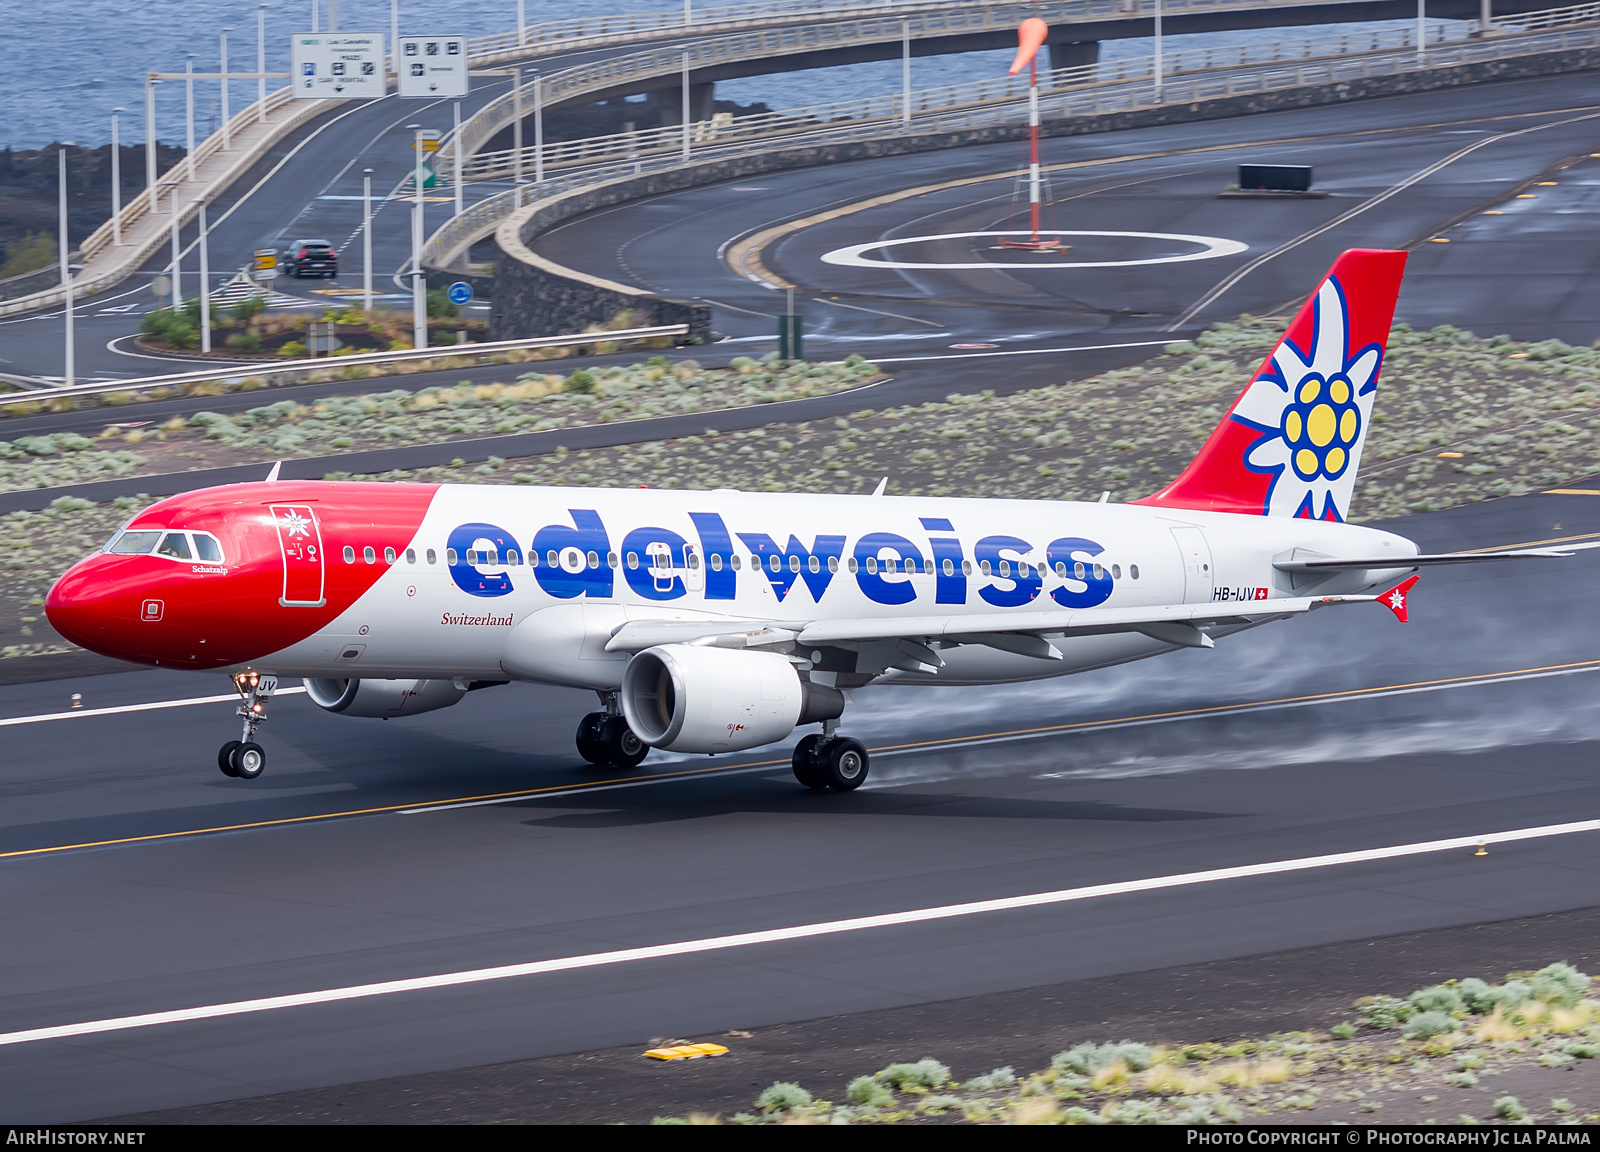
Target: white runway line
1023,351
154,706
779,935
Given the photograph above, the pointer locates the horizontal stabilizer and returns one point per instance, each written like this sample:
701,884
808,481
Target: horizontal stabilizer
1381,562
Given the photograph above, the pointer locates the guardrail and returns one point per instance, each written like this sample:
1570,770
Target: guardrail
240,372
725,127
450,241
872,26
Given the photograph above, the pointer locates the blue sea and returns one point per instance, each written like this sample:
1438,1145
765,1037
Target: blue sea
88,57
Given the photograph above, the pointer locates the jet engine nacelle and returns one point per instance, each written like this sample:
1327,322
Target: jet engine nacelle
689,698
383,698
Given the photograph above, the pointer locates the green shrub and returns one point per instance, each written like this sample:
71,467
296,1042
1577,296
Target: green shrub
1426,1024
1343,1030
439,305
1509,1108
1385,1011
294,350
1087,1059
33,252
248,309
869,1093
1560,984
990,1081
925,1073
247,341
1583,1051
783,1096
1439,998
581,381
1475,995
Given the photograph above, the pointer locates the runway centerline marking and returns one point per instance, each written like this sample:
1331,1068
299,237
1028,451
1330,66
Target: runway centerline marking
783,935
957,743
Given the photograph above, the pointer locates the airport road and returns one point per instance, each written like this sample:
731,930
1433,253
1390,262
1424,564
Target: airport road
297,898
1525,272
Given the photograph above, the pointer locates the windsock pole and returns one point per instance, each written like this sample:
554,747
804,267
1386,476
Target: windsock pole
1031,36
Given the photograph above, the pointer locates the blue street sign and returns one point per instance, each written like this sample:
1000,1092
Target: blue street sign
460,292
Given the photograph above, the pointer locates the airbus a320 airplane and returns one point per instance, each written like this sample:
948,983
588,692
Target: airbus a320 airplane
712,622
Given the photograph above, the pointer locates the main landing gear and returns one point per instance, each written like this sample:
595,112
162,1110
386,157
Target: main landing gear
244,759
830,761
605,738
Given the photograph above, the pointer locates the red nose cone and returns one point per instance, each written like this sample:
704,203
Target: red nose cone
93,609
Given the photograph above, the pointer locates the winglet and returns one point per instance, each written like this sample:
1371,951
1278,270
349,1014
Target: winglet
882,485
1031,36
272,477
1398,598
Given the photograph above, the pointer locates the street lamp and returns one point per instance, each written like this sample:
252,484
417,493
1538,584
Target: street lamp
419,288
116,180
205,287
151,175
366,241
261,63
66,270
227,134
188,66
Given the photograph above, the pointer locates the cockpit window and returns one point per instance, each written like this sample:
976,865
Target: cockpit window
207,548
134,543
175,545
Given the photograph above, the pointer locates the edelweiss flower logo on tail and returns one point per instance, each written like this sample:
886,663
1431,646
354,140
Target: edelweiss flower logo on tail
1311,409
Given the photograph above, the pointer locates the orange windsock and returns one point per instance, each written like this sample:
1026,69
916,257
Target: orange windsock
1030,36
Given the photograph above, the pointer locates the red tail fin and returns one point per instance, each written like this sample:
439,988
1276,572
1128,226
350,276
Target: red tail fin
1292,442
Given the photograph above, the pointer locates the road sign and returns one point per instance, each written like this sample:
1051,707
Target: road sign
459,293
434,66
266,258
261,274
161,286
341,65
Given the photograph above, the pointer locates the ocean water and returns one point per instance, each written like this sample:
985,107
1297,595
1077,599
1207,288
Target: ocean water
88,57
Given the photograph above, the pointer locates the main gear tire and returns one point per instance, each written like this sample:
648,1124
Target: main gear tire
590,744
623,746
804,762
844,763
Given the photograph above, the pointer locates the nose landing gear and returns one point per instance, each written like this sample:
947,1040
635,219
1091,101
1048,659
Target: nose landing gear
605,738
245,759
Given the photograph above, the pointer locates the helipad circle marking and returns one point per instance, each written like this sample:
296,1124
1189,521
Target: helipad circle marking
1211,247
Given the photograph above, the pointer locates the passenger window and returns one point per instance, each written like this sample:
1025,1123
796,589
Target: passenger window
207,548
966,567
1099,572
594,559
349,554
135,543
735,562
411,555
694,561
1116,571
512,559
853,564
984,567
949,567
833,563
611,560
872,565
175,545
554,560
369,555
388,555
716,561
1077,570
794,563
1133,570
433,557
1061,569
450,557
814,564
633,560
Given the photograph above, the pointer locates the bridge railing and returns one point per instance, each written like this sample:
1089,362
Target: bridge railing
724,127
873,25
451,241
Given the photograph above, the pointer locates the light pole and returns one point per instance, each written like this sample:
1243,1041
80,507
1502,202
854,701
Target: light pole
522,23
316,12
366,241
1485,17
66,270
151,175
116,180
1422,28
333,15
685,106
419,287
1158,51
261,63
538,132
516,139
394,36
905,73
227,134
188,66
177,251
205,287
455,155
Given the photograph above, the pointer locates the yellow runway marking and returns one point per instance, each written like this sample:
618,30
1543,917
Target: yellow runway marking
955,744
1572,491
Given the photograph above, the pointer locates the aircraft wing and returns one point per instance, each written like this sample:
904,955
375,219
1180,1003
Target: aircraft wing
1555,553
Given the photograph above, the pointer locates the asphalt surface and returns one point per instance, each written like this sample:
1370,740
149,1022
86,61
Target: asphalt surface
1524,272
273,907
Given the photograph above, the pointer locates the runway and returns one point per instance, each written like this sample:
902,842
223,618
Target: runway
368,853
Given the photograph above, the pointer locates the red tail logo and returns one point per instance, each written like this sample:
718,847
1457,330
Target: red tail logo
1292,442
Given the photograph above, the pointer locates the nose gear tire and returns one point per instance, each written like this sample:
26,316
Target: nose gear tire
248,760
225,758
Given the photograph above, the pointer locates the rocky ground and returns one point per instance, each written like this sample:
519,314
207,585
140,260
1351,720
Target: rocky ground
1461,1052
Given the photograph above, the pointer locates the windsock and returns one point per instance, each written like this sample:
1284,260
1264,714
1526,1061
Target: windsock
1030,37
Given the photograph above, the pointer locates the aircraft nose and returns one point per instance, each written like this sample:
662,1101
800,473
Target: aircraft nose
94,610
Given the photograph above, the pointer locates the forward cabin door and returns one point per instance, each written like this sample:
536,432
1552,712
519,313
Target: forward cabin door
1197,574
300,542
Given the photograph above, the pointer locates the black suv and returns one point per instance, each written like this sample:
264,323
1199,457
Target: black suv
313,258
